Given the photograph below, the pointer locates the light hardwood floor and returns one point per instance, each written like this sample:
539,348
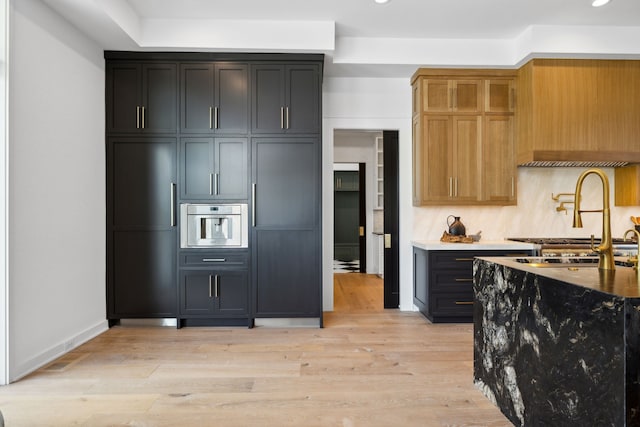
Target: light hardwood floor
366,367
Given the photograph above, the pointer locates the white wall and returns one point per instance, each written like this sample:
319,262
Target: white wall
56,188
4,99
365,104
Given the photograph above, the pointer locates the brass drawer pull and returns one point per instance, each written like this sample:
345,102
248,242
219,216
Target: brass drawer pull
464,259
464,302
464,280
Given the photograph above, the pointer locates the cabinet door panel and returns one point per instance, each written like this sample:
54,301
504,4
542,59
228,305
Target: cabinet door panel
303,114
142,275
232,98
231,164
466,136
499,96
140,175
286,175
467,95
233,293
436,95
499,165
436,147
196,98
268,99
160,97
123,97
287,269
197,167
196,292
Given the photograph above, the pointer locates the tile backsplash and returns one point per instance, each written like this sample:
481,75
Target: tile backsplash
536,214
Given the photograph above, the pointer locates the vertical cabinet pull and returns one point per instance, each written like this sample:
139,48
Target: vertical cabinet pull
142,121
513,187
214,286
253,204
211,184
172,199
215,118
216,191
450,186
281,117
287,118
137,117
455,187
210,117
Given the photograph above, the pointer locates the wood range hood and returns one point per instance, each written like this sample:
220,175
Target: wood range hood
578,112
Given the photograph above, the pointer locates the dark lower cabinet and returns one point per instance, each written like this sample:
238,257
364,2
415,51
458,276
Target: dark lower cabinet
141,227
214,288
286,240
443,282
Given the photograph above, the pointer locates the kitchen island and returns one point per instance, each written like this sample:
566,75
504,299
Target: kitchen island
558,345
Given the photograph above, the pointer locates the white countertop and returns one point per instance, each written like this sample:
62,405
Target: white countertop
436,245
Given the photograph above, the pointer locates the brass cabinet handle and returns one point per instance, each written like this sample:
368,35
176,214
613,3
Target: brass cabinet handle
464,259
450,186
513,187
455,187
464,280
464,302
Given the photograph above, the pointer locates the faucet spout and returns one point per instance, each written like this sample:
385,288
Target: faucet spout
605,249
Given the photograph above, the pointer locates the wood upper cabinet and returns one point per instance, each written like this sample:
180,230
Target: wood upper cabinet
463,137
444,95
141,98
627,182
214,98
578,110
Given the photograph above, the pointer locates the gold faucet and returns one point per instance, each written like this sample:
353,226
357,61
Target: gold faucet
605,249
634,259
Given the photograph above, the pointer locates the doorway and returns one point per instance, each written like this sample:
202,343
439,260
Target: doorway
361,153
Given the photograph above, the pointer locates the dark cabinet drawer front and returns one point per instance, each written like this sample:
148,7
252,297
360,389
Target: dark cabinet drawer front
452,304
449,260
452,281
214,259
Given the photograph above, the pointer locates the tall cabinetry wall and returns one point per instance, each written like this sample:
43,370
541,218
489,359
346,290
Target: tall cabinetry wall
463,137
213,128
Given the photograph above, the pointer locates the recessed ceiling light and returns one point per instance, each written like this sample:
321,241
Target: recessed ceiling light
598,3
381,1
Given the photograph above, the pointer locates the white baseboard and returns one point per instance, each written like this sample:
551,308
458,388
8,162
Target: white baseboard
25,368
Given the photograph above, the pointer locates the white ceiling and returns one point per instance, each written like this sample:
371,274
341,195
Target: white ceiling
362,38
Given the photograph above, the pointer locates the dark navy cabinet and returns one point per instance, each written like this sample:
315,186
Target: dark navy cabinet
286,98
214,168
214,98
213,127
141,98
286,236
141,227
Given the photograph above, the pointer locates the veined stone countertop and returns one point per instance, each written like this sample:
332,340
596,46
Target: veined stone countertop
436,245
621,282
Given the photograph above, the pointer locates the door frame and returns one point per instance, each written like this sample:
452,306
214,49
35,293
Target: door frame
362,215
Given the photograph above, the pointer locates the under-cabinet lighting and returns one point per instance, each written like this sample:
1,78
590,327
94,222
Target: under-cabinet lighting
598,3
381,1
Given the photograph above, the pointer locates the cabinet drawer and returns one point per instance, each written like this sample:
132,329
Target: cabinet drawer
214,259
459,304
450,260
452,281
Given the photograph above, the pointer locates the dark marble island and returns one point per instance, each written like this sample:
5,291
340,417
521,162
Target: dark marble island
558,346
